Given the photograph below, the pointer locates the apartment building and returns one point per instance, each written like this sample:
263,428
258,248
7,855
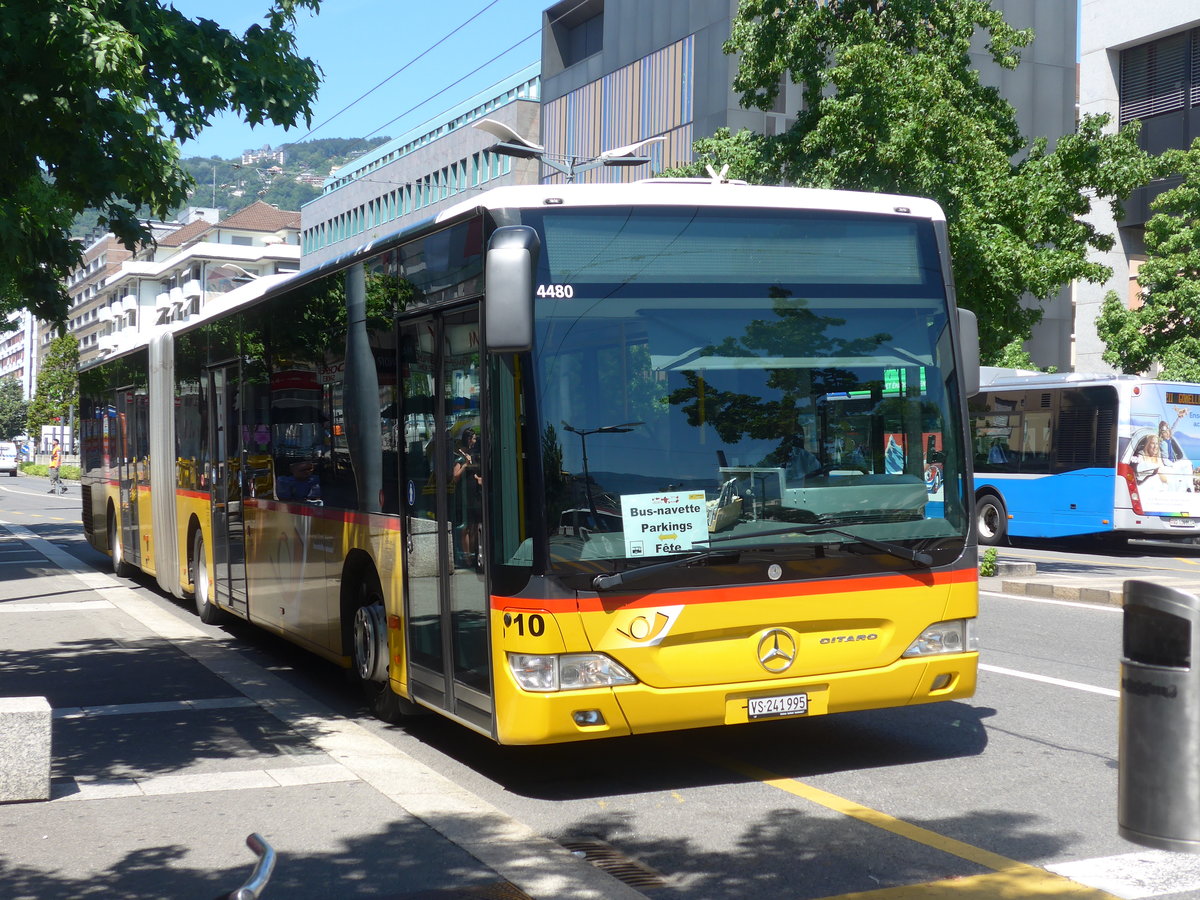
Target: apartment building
16,351
195,261
1144,67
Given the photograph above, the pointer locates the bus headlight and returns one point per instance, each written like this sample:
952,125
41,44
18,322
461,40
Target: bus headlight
956,636
567,671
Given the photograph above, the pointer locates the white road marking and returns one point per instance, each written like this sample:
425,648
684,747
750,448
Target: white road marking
64,606
1146,873
76,789
131,709
1046,679
1049,600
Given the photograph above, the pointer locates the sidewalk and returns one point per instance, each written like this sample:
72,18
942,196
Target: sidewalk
169,747
1077,582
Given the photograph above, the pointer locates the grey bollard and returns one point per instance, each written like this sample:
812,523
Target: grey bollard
24,749
1158,793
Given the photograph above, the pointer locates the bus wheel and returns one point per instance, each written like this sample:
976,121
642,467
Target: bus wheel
209,612
991,520
369,650
121,568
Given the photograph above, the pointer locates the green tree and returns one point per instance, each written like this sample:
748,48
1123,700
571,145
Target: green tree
1165,329
96,95
14,409
57,391
893,104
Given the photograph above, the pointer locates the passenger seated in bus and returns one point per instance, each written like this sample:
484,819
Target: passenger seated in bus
800,461
301,485
999,453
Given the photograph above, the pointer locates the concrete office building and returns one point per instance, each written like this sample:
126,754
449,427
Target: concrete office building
425,170
1147,67
615,72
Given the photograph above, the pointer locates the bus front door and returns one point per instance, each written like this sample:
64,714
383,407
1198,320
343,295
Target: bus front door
446,597
225,451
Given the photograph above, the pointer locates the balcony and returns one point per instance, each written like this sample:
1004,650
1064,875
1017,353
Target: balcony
163,301
192,288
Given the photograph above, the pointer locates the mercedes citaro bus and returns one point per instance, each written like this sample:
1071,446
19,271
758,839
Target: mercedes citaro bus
574,461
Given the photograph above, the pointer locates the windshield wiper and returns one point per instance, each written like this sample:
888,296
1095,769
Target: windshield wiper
918,557
617,579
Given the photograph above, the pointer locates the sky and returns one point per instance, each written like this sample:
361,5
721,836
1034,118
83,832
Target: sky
360,43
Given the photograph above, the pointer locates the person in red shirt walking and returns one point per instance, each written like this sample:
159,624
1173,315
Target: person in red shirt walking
55,465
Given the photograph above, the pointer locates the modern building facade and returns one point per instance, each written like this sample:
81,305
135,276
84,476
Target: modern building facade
425,170
1144,67
615,72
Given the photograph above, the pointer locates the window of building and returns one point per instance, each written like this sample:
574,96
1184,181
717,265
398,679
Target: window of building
578,30
1161,76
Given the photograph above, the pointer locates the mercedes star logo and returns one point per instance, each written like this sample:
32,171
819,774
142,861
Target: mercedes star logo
776,651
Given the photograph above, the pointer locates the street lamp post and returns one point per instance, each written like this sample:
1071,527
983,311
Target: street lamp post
587,478
513,144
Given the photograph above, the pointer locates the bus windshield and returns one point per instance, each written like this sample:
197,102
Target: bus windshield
703,372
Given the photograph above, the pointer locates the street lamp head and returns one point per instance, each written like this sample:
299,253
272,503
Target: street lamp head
603,429
519,151
623,156
510,140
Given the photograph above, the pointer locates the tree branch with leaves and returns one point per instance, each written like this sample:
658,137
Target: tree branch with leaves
1164,328
97,93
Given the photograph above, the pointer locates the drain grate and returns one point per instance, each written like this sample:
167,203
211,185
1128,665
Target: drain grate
501,890
611,860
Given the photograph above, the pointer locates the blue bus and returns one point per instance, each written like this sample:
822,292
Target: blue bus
1062,455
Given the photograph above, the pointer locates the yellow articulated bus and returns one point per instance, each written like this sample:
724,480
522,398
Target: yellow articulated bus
574,461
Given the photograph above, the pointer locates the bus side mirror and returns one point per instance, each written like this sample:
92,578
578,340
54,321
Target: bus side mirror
968,335
512,259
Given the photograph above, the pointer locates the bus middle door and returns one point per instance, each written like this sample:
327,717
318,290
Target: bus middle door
226,453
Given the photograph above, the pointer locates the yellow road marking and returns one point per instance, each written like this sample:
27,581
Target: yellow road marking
1011,878
996,886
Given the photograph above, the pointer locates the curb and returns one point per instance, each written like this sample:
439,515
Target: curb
1080,593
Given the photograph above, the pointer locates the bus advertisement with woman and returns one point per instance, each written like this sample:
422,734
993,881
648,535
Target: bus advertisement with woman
575,461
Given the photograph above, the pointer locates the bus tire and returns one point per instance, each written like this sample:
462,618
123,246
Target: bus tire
116,548
209,612
369,653
991,520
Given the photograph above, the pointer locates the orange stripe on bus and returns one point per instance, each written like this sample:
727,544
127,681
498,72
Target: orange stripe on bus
609,602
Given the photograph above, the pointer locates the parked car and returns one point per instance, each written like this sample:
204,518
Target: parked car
9,458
